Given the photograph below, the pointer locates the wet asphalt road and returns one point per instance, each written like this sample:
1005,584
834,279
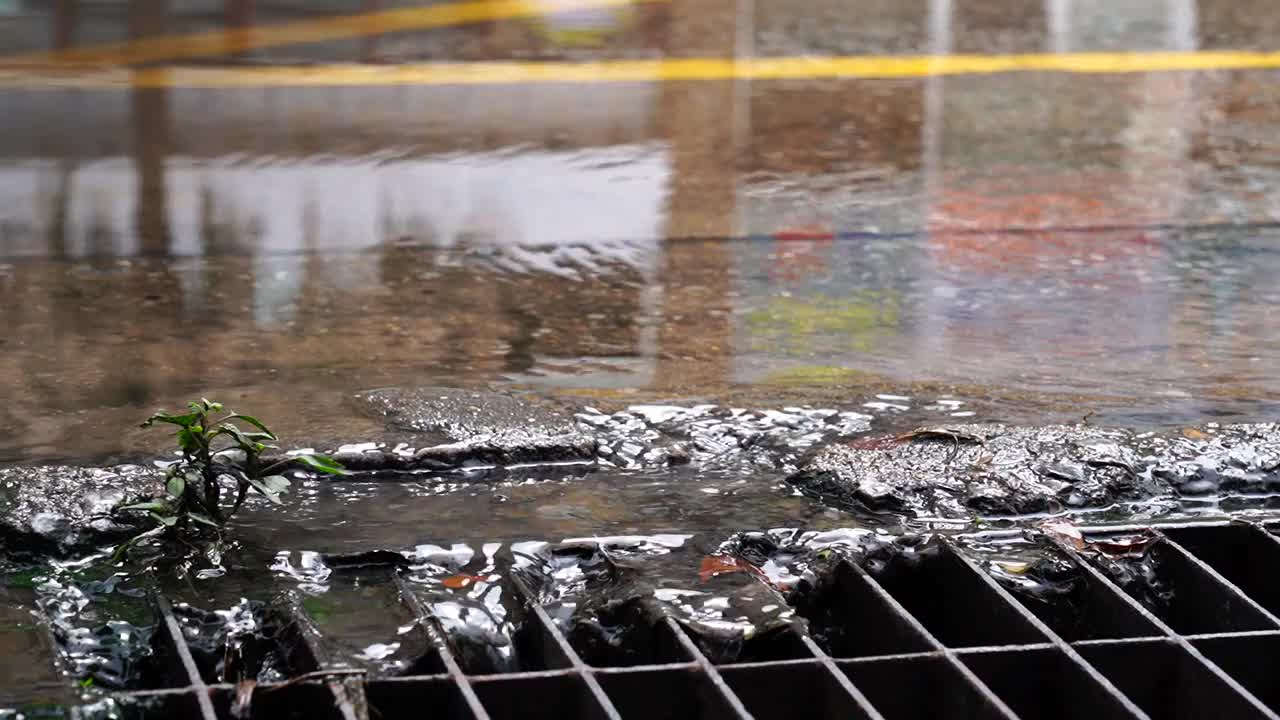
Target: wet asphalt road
282,203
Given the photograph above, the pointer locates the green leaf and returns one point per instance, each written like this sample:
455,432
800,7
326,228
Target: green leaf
323,463
235,433
270,486
264,493
151,506
211,406
203,519
165,520
123,548
254,422
189,439
176,485
277,483
164,417
247,441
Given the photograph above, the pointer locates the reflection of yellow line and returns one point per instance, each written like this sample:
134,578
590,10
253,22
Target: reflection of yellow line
223,42
641,70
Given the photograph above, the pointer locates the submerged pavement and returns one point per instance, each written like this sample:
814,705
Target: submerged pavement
1048,210
714,466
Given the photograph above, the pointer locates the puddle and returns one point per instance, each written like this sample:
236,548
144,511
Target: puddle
381,515
30,680
712,297
749,597
355,558
307,393
1057,590
1145,577
364,622
100,619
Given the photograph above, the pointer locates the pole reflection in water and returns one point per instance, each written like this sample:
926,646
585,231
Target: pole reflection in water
1012,235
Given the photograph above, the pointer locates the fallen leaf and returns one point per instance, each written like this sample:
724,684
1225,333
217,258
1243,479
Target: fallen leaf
713,565
1195,434
1124,546
1128,546
459,582
243,705
1063,531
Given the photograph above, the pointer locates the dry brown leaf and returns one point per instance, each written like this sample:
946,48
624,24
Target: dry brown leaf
1128,546
243,705
1065,532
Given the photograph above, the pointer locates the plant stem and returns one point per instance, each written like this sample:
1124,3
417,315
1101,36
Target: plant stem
267,470
212,493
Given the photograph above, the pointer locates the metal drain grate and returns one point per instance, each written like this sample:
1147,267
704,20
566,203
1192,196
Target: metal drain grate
941,636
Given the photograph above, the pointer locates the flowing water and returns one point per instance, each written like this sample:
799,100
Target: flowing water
1027,248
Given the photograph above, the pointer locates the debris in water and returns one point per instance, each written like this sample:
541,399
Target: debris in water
459,582
379,651
1129,545
1064,531
1045,579
1141,575
243,705
713,565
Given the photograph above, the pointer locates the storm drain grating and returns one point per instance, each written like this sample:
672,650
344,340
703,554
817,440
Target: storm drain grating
1185,627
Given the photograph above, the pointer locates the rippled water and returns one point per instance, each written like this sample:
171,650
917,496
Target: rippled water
1170,330
867,254
1059,258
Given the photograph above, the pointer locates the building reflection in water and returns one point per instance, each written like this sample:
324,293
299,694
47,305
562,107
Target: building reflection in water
674,237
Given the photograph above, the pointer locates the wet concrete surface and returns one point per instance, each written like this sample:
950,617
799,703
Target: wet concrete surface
997,470
1028,248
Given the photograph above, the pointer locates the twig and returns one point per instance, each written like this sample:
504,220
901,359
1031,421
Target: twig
276,464
942,433
240,498
314,674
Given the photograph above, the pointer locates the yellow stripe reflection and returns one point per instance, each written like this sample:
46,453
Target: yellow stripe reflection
499,73
223,42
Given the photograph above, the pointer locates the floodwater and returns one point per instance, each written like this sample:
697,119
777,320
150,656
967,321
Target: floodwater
1026,247
1046,244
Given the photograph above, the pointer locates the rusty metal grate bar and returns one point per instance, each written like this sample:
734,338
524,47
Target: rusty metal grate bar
941,637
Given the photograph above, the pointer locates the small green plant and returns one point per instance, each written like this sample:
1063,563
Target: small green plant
221,463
